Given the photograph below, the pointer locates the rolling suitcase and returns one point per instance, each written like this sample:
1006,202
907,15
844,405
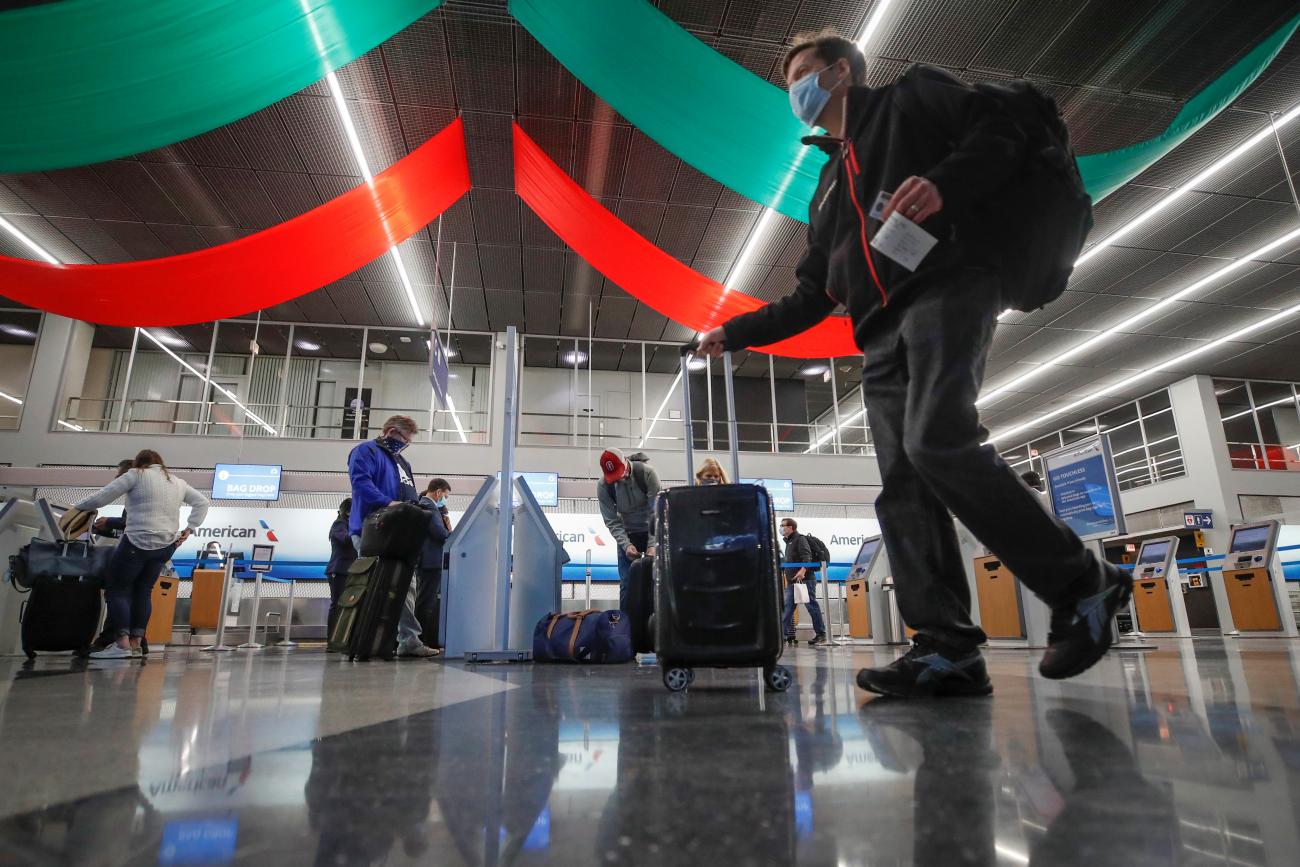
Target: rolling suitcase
641,604
61,613
717,576
373,633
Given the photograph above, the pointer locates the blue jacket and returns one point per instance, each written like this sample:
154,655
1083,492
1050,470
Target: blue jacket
342,552
376,481
431,550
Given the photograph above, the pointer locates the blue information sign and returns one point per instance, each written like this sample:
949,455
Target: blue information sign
1201,519
199,841
1082,489
781,491
544,486
438,372
246,482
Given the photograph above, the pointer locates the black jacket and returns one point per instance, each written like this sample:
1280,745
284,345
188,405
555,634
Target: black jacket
928,123
342,552
797,550
431,550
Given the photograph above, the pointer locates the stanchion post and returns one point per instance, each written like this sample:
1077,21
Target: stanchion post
288,617
588,605
826,601
228,576
251,643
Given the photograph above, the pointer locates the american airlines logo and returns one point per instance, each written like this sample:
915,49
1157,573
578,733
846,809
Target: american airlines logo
229,532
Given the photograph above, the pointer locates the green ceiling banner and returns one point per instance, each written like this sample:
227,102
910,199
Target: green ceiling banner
91,80
1106,172
738,129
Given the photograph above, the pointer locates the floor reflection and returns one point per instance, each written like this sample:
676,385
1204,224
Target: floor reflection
1186,755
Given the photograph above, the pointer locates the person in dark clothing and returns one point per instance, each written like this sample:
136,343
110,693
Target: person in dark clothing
797,550
928,149
342,555
428,590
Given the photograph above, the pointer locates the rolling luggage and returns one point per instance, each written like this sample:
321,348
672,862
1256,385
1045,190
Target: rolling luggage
373,632
717,576
394,531
61,613
641,604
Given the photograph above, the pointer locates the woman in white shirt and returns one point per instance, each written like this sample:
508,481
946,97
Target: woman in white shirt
153,498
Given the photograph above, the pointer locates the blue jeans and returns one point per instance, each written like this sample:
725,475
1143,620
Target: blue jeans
814,611
642,541
132,572
408,627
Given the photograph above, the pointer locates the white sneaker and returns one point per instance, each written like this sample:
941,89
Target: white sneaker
417,651
112,652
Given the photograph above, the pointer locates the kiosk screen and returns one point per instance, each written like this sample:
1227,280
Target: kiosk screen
1153,553
866,552
1249,539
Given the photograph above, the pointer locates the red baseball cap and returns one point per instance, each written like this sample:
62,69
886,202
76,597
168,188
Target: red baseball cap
613,464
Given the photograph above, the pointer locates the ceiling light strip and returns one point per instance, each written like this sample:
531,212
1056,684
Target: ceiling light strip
1263,406
231,397
1280,316
28,242
11,397
660,410
1140,316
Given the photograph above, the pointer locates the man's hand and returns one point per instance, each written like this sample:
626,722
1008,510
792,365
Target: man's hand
916,198
185,534
101,523
650,552
799,576
394,502
446,522
631,551
712,343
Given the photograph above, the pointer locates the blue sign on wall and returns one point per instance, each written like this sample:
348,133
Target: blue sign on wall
199,841
246,482
781,491
1082,489
545,487
1201,519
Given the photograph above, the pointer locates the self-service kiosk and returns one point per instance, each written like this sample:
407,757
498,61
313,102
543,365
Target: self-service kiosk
1254,584
998,593
1158,605
858,591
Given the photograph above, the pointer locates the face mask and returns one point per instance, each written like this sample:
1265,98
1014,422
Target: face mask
392,444
440,502
709,482
808,97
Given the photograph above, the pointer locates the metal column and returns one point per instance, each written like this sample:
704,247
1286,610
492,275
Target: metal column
686,416
732,428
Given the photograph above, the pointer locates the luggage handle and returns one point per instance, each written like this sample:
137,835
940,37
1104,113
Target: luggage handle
687,351
577,617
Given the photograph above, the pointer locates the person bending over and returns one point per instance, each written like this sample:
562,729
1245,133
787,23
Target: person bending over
627,503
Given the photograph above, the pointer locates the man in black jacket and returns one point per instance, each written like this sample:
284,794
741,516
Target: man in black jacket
797,550
931,150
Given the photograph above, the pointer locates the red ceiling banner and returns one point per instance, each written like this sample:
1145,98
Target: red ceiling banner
260,270
648,273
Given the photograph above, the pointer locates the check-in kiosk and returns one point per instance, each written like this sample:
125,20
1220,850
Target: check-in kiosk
1254,584
858,595
999,599
1158,606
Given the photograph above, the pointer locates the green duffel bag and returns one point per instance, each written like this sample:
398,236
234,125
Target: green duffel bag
354,593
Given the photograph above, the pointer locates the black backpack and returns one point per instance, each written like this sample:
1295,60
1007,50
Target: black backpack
1043,213
820,553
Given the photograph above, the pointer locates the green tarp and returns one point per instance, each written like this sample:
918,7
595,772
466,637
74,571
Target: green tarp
90,80
738,129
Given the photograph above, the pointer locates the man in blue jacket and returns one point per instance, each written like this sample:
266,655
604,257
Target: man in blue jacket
382,477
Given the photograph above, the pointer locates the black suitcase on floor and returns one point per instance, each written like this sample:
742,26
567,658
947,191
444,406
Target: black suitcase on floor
374,634
61,614
718,593
641,604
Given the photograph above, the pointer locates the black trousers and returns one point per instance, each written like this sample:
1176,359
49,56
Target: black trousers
922,370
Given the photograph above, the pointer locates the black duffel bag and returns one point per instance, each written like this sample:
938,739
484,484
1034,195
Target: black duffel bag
394,531
40,560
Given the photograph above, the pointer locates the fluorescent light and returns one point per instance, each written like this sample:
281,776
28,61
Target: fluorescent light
183,363
17,331
451,407
822,440
307,345
1159,207
11,397
1156,368
813,370
872,24
1141,315
1147,445
27,242
660,410
71,426
1264,406
575,358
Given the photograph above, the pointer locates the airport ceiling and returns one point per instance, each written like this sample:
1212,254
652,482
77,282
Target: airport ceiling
1119,69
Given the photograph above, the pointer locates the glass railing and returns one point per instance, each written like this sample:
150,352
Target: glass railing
223,418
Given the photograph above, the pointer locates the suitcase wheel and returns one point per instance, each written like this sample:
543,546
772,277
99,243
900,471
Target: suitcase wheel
777,678
678,678
30,655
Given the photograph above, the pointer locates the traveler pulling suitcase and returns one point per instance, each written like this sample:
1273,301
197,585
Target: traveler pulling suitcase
717,576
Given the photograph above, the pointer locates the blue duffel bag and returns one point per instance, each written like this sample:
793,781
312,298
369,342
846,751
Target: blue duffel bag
583,636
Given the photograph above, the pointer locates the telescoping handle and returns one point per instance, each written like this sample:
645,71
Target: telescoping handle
732,434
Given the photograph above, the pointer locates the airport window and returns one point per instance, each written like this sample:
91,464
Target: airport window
1261,423
273,379
1143,440
628,394
18,330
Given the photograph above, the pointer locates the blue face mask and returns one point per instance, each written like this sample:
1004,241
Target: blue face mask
808,97
440,502
392,444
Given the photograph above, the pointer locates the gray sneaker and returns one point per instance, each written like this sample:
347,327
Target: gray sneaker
417,650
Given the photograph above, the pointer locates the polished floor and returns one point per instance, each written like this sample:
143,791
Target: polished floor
1189,754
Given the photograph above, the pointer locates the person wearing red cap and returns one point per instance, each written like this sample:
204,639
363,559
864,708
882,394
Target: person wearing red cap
627,501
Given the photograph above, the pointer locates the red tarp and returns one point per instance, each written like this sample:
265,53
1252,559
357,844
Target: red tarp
647,273
262,269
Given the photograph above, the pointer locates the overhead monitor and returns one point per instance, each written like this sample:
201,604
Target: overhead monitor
780,490
261,561
1153,552
1251,537
246,482
544,486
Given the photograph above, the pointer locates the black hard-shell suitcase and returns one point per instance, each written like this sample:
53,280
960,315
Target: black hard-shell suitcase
394,531
641,604
374,634
718,593
61,614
